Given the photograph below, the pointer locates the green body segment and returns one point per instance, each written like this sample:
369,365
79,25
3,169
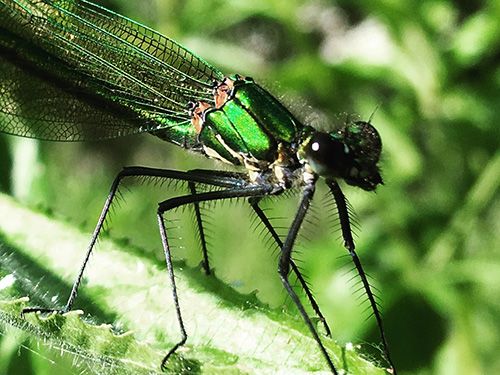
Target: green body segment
266,110
218,135
251,123
255,140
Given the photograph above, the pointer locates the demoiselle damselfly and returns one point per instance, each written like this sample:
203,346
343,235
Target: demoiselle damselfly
115,77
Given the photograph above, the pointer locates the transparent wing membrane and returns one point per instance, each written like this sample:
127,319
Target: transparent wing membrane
77,71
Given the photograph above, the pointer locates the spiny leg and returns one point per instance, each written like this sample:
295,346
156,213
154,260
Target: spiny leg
241,192
214,178
285,262
265,220
95,235
349,245
229,179
168,260
194,176
201,231
254,204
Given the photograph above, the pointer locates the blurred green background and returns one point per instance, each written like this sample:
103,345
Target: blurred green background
428,72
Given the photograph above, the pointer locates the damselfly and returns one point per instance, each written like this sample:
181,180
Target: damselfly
114,77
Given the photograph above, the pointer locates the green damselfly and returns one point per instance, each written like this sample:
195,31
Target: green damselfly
115,77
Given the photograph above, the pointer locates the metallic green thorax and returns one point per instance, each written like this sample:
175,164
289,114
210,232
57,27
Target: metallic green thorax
248,126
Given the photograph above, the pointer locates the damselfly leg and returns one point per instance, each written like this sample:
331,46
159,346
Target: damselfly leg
254,203
236,187
307,290
250,191
345,225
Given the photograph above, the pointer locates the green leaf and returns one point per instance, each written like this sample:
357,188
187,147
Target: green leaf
228,333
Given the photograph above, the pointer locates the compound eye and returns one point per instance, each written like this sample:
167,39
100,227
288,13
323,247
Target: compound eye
326,155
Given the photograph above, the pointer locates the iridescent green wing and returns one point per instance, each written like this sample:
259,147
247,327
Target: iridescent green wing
74,71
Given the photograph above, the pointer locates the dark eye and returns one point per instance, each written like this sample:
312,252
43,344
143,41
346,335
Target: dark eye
326,155
352,154
365,141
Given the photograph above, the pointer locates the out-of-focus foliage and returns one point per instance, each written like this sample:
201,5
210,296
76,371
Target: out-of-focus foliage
428,75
